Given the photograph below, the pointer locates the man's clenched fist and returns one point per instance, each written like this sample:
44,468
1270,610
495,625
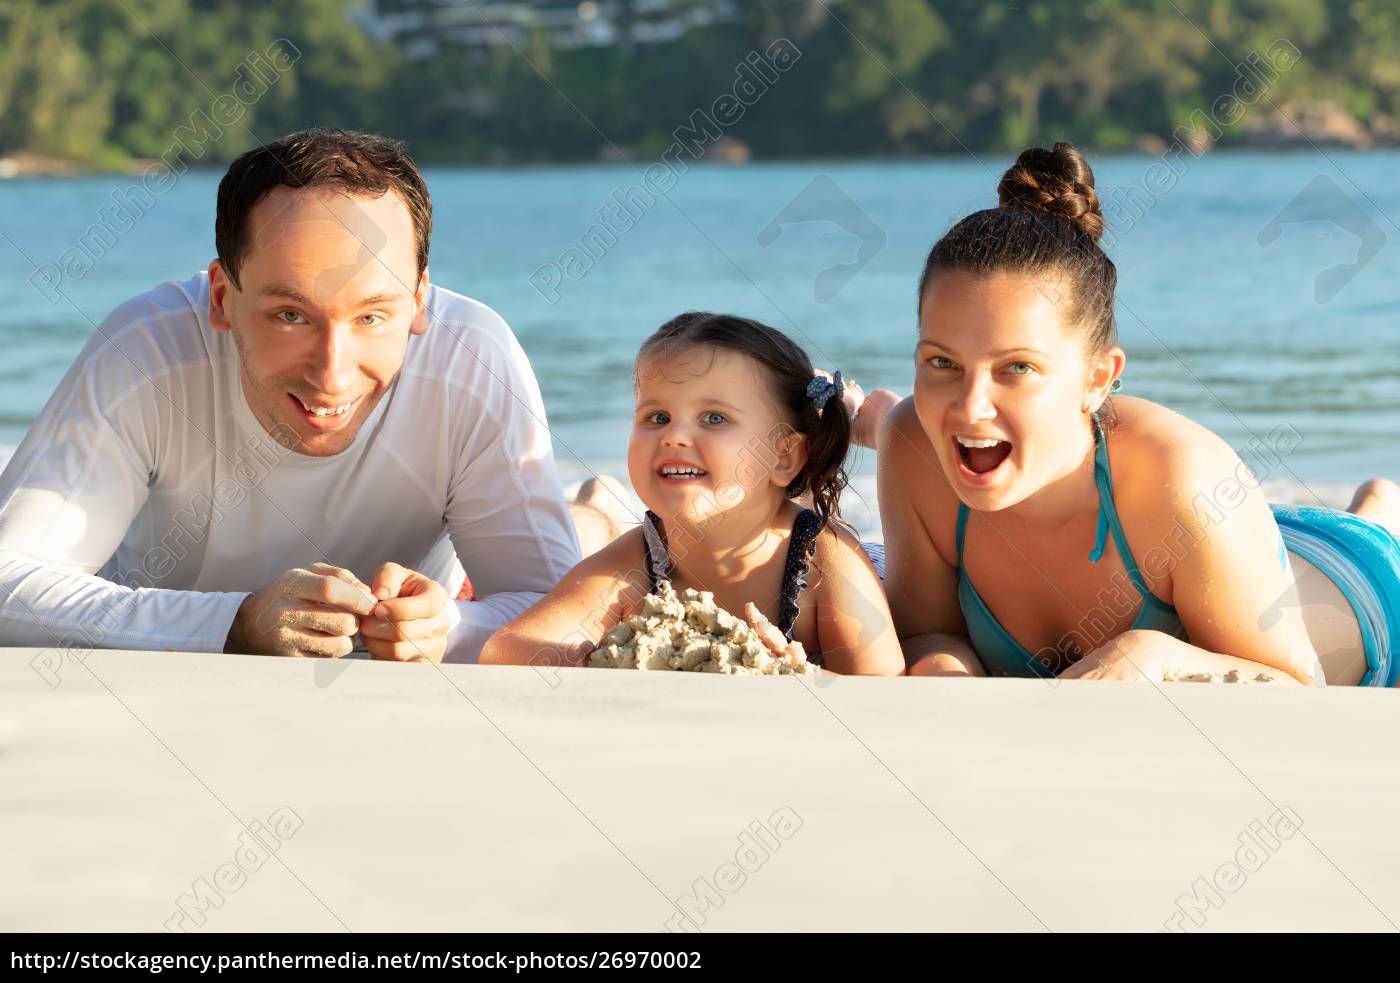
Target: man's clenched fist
311,612
409,621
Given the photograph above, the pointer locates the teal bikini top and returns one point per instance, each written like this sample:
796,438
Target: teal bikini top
1001,654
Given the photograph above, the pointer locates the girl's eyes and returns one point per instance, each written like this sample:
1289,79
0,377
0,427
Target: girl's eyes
713,419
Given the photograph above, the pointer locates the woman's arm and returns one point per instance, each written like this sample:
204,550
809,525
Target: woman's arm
942,655
1205,539
1153,656
854,630
922,586
565,625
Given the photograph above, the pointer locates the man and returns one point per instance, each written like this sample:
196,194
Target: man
294,447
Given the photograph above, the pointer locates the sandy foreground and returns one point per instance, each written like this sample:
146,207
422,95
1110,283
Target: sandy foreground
135,789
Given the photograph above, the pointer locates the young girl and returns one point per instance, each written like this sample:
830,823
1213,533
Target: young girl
1036,527
731,426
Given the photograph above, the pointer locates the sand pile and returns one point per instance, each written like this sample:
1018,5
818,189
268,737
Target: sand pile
1233,676
689,632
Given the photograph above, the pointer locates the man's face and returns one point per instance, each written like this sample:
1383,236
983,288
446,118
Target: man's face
330,293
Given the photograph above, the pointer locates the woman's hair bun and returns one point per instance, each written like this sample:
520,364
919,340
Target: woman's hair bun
1058,182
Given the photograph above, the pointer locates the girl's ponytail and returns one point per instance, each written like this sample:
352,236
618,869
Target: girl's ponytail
827,425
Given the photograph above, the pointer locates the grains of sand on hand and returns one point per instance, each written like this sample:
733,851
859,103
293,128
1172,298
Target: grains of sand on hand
1233,676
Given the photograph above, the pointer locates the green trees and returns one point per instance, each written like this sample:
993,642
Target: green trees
103,82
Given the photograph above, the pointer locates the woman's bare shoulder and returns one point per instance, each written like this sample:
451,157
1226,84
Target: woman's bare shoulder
1153,439
1166,466
909,469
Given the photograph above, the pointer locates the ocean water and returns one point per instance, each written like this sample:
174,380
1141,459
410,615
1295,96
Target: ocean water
1258,292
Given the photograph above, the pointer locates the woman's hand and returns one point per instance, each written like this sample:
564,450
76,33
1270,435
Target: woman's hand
1153,656
1134,656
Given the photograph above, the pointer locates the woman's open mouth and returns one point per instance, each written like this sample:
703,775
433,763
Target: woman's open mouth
324,416
981,456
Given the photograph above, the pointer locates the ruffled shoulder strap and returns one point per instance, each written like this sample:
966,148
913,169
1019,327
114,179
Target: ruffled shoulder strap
657,557
804,539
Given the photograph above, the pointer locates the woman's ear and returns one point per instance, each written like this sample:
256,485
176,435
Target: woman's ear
1104,372
790,450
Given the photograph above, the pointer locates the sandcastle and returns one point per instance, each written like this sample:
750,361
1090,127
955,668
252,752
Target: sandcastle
689,632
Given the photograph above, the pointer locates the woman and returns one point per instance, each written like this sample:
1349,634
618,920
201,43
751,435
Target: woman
1034,526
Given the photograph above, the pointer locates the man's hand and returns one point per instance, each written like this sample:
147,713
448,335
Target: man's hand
409,622
309,612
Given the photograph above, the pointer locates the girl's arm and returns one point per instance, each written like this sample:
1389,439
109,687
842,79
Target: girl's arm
922,587
854,630
565,625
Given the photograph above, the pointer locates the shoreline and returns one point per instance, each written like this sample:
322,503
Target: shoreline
24,166
860,505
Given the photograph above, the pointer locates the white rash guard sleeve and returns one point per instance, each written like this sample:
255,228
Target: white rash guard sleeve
147,501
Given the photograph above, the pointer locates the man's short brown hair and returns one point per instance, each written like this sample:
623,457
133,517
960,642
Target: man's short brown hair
356,163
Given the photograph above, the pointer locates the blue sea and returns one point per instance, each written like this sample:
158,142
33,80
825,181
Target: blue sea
1257,291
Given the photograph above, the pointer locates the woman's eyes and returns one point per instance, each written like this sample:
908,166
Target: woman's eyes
1015,368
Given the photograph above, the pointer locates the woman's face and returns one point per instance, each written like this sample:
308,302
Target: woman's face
1001,382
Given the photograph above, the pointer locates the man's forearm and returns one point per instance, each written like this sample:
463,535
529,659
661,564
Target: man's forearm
45,606
479,620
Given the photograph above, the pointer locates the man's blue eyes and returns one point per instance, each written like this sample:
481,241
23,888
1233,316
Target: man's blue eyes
368,320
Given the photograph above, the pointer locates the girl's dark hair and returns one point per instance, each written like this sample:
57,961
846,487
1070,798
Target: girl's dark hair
1047,226
828,431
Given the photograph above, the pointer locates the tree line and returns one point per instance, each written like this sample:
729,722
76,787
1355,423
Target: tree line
107,84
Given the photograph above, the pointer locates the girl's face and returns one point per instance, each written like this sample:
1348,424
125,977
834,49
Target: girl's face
708,437
1001,385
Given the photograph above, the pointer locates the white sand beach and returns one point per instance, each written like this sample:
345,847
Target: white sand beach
415,797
